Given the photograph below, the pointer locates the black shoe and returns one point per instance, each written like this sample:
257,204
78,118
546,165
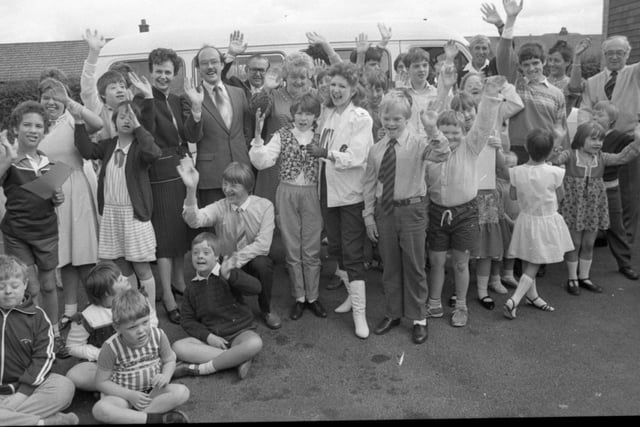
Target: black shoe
183,370
487,302
420,333
296,311
573,287
334,282
589,285
317,308
174,316
386,325
175,417
272,320
629,273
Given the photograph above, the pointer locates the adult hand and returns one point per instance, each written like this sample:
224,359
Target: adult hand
450,50
138,399
272,79
195,94
95,40
490,14
385,34
315,38
228,263
189,174
318,65
59,92
493,85
141,84
362,43
237,46
582,46
448,75
259,123
372,233
512,7
217,342
9,150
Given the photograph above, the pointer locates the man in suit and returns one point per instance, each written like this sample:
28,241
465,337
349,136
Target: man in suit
255,69
220,126
620,84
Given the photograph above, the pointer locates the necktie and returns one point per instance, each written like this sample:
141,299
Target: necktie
387,177
608,86
223,106
241,234
119,159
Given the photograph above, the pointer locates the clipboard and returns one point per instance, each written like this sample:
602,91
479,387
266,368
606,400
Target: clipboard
46,184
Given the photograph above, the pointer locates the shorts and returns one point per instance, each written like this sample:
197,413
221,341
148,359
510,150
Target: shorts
453,228
41,252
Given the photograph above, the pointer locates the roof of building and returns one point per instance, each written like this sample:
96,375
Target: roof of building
25,61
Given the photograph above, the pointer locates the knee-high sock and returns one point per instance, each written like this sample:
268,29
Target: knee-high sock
584,267
482,282
572,269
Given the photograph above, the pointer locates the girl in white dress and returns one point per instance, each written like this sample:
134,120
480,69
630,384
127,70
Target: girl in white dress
540,234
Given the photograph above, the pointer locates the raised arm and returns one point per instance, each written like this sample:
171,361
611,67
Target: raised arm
264,156
88,81
490,15
488,109
194,217
506,59
315,38
193,124
627,154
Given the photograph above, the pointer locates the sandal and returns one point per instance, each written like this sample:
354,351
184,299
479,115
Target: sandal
573,287
487,302
509,311
542,306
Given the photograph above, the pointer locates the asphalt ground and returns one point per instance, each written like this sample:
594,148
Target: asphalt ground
579,361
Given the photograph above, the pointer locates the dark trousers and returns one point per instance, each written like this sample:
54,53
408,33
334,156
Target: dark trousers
261,267
629,175
616,234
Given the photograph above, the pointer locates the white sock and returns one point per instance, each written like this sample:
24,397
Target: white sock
422,322
435,303
461,302
572,269
584,267
482,282
301,299
205,368
70,309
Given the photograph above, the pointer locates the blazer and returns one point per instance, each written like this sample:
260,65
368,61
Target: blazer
217,145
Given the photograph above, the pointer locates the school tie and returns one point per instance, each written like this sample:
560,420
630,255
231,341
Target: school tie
387,177
119,159
608,86
223,105
241,234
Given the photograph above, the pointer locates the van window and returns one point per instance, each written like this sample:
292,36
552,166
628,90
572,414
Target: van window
141,68
434,52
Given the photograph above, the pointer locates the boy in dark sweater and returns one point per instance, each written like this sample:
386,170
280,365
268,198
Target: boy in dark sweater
29,393
221,328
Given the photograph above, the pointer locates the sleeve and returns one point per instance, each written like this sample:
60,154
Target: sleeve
559,176
483,125
262,242
189,321
147,113
627,154
370,184
149,150
89,88
42,356
166,353
264,156
77,343
205,217
506,60
561,158
513,103
244,282
358,144
587,102
88,149
106,358
193,128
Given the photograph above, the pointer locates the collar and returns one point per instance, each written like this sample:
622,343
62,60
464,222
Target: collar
402,139
158,94
242,207
607,72
210,87
469,67
125,149
542,82
215,272
426,87
44,160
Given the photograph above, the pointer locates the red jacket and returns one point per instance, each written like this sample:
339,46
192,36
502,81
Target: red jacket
26,348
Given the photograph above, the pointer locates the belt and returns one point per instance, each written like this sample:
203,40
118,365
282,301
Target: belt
410,201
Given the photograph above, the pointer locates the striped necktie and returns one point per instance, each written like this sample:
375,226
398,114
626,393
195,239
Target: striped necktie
387,177
609,85
223,106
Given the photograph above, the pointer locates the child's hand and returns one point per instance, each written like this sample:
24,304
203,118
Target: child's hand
141,84
133,117
315,150
490,14
315,38
160,380
450,51
217,342
512,7
494,142
493,85
95,40
228,263
189,174
58,197
381,133
195,94
9,151
385,34
429,119
259,123
582,46
237,46
372,233
448,75
138,399
362,43
59,92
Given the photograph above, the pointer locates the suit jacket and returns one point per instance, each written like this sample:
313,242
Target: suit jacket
218,145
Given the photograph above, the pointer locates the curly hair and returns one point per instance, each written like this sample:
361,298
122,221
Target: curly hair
297,60
351,74
162,55
19,112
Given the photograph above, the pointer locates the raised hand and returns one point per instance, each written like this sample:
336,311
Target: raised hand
228,263
95,40
259,123
318,65
189,174
450,50
582,46
9,151
141,84
237,46
493,85
133,117
429,118
362,43
490,14
272,79
315,38
59,92
194,93
385,34
512,7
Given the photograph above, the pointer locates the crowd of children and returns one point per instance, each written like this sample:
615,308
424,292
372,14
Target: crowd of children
475,165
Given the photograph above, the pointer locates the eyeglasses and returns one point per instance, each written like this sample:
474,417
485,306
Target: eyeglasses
258,70
612,53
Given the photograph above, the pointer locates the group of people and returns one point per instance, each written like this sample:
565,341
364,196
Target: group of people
467,164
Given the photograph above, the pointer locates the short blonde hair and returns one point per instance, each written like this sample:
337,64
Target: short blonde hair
129,306
297,60
396,99
12,268
609,108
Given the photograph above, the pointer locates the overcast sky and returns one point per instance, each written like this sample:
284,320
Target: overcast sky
52,20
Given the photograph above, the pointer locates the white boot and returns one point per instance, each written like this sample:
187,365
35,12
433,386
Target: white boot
345,307
359,304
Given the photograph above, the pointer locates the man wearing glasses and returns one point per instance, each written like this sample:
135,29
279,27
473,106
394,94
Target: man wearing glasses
255,69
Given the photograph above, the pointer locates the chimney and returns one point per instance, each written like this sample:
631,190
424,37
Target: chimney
144,27
563,31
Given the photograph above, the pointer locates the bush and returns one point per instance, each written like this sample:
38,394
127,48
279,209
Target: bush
590,65
14,92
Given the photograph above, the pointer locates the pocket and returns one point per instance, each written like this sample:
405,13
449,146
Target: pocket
164,168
